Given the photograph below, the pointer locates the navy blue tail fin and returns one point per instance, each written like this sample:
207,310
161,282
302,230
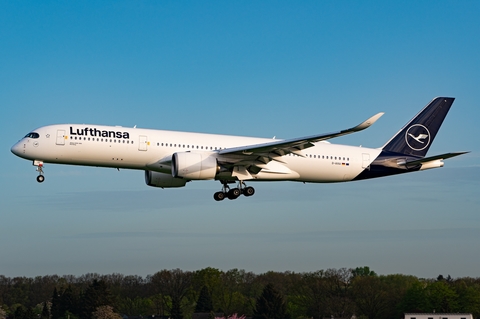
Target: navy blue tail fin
417,135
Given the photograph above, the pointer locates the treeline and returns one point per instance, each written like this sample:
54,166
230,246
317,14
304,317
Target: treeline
338,293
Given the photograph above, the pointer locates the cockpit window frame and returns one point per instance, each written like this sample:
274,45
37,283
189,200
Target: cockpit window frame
32,135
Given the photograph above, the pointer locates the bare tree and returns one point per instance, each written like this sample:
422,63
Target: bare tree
175,284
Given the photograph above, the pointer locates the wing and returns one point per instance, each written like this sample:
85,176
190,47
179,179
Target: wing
257,155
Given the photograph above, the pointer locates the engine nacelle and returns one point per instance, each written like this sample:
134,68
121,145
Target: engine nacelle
194,166
162,180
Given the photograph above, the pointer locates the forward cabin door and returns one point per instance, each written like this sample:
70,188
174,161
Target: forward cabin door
142,143
60,137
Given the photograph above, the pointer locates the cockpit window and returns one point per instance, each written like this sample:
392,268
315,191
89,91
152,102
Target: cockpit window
32,135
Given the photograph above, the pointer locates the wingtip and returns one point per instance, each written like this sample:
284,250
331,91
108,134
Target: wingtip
368,122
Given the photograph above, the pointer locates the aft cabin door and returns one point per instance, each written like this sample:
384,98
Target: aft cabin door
365,160
60,137
142,143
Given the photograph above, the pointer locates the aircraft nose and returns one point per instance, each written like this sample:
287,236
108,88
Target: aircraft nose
17,149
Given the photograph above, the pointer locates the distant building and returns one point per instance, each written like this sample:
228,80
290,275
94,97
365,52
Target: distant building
437,315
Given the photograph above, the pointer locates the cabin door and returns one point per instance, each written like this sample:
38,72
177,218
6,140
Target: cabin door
142,143
365,160
60,137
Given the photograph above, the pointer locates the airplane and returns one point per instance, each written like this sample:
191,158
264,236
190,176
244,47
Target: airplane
171,159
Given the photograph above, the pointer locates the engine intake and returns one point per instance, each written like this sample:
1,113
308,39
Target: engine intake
194,166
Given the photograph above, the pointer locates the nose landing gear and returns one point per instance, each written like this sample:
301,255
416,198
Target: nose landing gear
233,193
40,177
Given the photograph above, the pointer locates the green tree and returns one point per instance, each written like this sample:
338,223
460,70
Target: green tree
30,314
468,291
370,295
69,301
363,272
415,299
441,297
232,300
45,311
136,307
19,312
204,302
96,295
212,279
55,309
270,305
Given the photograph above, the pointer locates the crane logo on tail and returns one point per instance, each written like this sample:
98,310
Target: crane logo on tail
417,137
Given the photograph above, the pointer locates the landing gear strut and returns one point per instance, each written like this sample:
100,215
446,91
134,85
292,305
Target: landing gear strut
233,193
40,177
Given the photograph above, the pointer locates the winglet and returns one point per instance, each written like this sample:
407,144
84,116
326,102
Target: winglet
367,123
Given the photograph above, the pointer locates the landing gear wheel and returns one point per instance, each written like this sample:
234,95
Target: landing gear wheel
248,191
40,178
219,196
233,193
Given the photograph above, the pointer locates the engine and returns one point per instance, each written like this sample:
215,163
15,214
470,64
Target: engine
194,166
162,180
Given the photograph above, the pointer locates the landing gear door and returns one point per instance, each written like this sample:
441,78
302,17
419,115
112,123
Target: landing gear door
60,137
142,143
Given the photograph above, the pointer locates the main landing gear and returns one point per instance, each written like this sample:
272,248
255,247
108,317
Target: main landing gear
233,193
40,177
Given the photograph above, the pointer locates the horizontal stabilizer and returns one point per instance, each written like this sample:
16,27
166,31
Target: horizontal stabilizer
434,158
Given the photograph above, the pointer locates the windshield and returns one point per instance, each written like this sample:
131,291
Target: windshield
32,135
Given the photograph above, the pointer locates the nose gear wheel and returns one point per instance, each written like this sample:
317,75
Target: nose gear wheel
40,177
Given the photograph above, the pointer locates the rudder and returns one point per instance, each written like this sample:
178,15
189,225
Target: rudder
417,135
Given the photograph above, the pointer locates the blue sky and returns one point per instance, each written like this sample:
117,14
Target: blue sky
270,68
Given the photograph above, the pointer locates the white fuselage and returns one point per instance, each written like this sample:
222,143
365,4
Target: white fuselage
146,149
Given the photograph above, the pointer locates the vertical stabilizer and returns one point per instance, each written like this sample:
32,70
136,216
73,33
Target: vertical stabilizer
417,135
